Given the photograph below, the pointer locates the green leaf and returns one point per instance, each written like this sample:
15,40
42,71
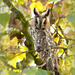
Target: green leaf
72,70
4,72
2,58
12,73
48,72
71,17
28,16
31,71
58,9
35,71
73,49
20,8
67,5
41,72
4,19
59,70
1,1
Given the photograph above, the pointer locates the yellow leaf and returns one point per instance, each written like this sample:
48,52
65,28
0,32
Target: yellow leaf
32,5
13,62
16,70
60,51
5,40
21,1
3,30
23,48
14,42
16,59
39,5
33,0
19,56
56,40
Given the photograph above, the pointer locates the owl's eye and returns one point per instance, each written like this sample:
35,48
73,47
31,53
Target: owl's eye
43,28
36,21
45,22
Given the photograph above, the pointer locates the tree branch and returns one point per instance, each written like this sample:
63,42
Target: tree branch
25,24
67,49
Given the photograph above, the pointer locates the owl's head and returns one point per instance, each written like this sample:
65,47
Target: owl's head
41,19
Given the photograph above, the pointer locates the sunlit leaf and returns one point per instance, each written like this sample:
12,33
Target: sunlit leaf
60,51
32,5
14,42
39,6
68,63
23,48
13,62
2,30
10,56
19,56
56,40
21,1
16,70
4,19
33,0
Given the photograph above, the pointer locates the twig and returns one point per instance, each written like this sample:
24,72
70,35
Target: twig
67,38
51,47
67,49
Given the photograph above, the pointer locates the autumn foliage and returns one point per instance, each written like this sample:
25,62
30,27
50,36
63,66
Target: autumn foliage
17,53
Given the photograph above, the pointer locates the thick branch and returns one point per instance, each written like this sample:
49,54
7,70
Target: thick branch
25,24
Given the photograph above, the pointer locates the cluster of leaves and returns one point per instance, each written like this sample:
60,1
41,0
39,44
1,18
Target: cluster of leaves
9,58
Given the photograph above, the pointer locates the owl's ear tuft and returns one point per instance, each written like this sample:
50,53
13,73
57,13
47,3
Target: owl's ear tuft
36,12
47,12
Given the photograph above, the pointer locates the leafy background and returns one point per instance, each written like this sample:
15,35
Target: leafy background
15,40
